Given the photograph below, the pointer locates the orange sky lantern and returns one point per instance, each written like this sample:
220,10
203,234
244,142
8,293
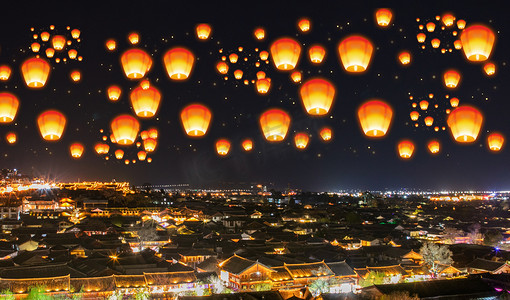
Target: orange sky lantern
11,137
461,24
153,133
233,58
383,17
35,47
222,147
149,144
355,53
477,42
326,134
261,74
304,25
144,134
195,119
141,155
222,67
296,76
50,52
75,75
428,121
5,72
127,161
317,96
424,105
435,43
102,148
72,53
264,55
406,149
75,33
316,54
434,146
259,33
145,84
135,63
263,85
45,36
454,102
58,42
431,26
247,145
238,74
489,68
51,124
134,38
465,123
448,20
457,44
35,72
451,78
495,141
375,117
301,140
125,129
76,150
114,92
414,115
421,37
178,63
119,154
404,57
145,103
274,124
8,107
203,31
111,44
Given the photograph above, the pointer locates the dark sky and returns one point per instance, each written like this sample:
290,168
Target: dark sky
349,161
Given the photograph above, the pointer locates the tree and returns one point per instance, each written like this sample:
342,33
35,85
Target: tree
474,233
142,294
492,238
259,287
435,254
450,233
37,293
146,233
372,278
7,295
319,286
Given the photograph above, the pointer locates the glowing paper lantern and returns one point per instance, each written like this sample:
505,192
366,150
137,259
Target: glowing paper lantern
461,24
8,107
222,67
263,85
448,20
149,159
414,115
45,36
259,33
457,44
178,63
421,37
127,161
424,105
435,43
375,117
316,54
404,57
326,134
145,84
35,47
102,148
135,63
355,53
5,72
134,38
261,74
296,76
495,141
11,137
465,123
405,149
274,124
144,135
153,133
72,53
149,144
75,76
141,155
125,129
247,145
477,42
451,78
317,96
431,26
119,154
238,74
223,147
304,25
383,17
58,42
35,72
145,103
111,44
195,119
301,140
51,124
114,92
285,53
489,68
76,150
429,121
75,33
434,146
50,52
454,102
203,31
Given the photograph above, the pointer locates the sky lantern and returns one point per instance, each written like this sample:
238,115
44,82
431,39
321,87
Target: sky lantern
316,54
261,74
264,55
51,124
274,124
247,145
233,58
145,84
141,155
451,78
75,33
375,117
431,26
238,74
405,149
477,42
135,63
383,17
222,67
296,76
149,159
58,42
144,135
304,25
8,107
50,52
404,57
429,121
421,37
222,146
119,154
461,24
457,44
263,85
111,44
5,72
489,68
114,92
495,141
76,150
153,133
454,102
195,119
448,20
178,63
434,146
145,103
326,134
414,115
45,36
134,38
301,140
465,123
35,72
149,144
355,53
75,75
317,95
72,53
125,129
435,43
102,148
424,105
203,31
35,47
259,33
126,161
285,53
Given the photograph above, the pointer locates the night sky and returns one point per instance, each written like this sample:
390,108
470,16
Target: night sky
349,161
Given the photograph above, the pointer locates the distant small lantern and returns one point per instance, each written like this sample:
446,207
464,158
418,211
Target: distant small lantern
76,150
457,44
58,42
259,33
102,148
75,75
431,26
145,84
316,54
119,154
285,53
50,52
296,76
304,25
72,53
465,123
495,141
375,117
233,58
264,55
145,102
274,124
153,133
178,63
451,78
111,44
51,124
125,129
301,140
317,96
355,53
428,121
5,72
149,144
45,36
11,137
454,102
477,42
238,74
223,147
489,68
434,146
448,20
424,105
461,24
414,115
9,104
75,33
126,161
404,57
141,155
222,67
261,74
114,92
383,17
35,72
263,85
435,43
247,145
421,37
134,38
406,149
203,31
136,63
195,119
35,47
326,134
